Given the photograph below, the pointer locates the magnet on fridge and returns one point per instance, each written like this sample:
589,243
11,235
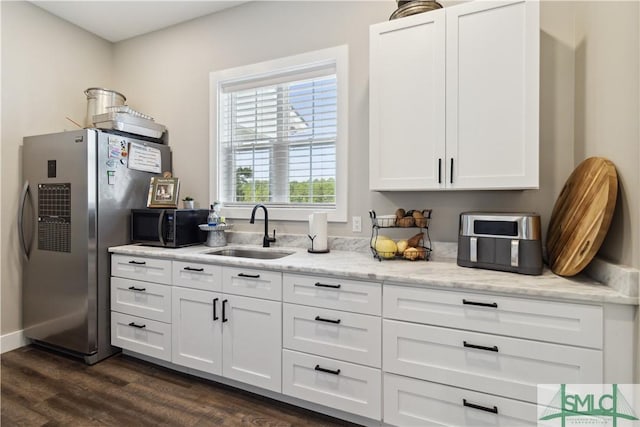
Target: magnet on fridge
111,177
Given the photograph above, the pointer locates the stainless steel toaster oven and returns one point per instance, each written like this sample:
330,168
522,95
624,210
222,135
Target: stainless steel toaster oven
500,241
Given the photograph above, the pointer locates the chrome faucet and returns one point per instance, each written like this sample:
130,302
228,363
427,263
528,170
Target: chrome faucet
266,239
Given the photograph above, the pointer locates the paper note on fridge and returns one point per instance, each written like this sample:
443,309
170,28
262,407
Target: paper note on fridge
144,158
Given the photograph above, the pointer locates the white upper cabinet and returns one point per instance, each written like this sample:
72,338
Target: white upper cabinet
454,98
407,98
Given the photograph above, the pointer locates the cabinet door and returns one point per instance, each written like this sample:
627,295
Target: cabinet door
197,329
492,95
407,98
252,341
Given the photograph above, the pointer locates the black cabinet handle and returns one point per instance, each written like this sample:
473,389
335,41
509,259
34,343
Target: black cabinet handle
439,171
451,172
137,326
493,410
251,276
481,304
137,262
133,288
480,347
324,285
224,310
193,269
215,316
328,371
320,319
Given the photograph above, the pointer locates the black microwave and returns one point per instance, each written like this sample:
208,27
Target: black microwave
171,228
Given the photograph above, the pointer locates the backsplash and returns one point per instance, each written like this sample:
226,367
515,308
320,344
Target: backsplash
442,251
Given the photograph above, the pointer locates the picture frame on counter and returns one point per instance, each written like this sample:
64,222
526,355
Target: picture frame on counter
163,192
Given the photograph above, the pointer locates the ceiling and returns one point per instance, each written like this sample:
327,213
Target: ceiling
117,20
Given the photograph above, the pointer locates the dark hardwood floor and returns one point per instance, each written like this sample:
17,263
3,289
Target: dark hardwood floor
42,388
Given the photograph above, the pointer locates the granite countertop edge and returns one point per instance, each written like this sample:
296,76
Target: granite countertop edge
443,274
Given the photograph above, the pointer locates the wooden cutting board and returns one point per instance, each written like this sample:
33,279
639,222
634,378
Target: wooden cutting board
581,216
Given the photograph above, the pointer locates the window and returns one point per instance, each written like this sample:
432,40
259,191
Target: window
278,136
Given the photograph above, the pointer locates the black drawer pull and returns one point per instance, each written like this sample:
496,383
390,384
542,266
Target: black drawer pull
320,319
328,371
137,326
480,347
493,410
193,269
251,276
439,171
133,288
480,304
137,262
215,316
324,285
224,310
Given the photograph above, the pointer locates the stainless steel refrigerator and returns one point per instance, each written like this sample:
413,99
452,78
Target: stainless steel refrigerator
79,189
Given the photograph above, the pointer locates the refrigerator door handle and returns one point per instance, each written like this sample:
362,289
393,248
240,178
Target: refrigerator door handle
160,228
23,200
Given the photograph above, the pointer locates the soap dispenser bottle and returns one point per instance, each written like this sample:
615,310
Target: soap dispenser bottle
214,214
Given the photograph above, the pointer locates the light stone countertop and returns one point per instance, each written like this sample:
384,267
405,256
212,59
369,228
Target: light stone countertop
445,274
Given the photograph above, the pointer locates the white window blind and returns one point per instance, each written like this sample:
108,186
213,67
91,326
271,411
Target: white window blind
277,138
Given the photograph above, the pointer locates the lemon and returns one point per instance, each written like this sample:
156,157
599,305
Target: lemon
386,248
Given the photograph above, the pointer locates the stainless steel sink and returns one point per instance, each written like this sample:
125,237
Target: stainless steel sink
251,253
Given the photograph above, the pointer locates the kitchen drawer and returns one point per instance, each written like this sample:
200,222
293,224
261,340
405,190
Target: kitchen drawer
142,299
338,294
488,363
141,335
252,283
337,334
206,277
350,388
141,268
413,403
560,322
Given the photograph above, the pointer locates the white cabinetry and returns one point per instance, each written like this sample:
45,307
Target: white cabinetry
197,329
252,341
331,350
478,352
227,334
141,305
454,97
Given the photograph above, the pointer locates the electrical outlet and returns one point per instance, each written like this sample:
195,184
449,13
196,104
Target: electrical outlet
356,224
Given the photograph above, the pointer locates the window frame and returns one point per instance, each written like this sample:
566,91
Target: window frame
339,57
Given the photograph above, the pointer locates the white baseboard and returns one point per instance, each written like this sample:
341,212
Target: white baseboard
12,341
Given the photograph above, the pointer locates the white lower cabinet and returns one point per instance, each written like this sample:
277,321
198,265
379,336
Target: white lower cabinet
451,358
333,383
229,335
252,341
488,363
338,334
409,402
197,330
141,335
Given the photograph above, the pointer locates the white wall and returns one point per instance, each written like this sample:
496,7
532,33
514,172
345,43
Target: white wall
607,62
46,66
